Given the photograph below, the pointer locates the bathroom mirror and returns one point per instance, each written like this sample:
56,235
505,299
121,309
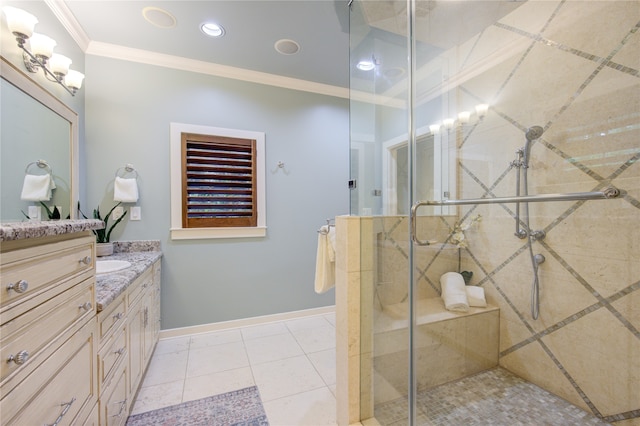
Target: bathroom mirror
35,125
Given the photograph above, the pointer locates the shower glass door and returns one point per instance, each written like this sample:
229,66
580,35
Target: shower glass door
445,98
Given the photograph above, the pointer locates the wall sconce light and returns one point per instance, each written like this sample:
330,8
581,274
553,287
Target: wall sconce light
434,129
40,55
448,123
482,110
463,117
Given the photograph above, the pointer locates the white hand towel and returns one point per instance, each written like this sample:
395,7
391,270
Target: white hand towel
37,187
325,268
475,296
125,190
454,293
331,243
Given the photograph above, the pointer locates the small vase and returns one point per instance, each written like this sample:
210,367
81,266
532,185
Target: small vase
104,249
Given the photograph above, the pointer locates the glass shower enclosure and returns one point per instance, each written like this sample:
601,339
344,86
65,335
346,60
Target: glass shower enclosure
465,116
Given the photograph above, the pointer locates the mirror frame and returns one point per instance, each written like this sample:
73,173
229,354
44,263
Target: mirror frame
19,79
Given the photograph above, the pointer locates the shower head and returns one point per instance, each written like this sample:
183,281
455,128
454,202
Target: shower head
534,133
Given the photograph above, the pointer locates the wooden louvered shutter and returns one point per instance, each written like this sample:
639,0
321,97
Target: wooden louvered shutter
218,181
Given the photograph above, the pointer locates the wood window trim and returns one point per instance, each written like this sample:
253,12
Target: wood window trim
177,230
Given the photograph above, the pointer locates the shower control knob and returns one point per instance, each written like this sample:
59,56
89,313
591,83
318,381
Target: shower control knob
19,287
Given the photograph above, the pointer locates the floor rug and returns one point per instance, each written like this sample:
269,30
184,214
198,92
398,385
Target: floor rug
238,408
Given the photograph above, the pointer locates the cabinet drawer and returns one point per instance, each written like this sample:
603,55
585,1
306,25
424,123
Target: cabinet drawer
139,286
28,272
60,389
28,334
111,320
113,402
110,356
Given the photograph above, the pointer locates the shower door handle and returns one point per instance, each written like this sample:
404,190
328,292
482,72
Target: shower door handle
414,225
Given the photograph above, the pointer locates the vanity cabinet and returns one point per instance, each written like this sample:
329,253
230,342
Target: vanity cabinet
127,341
62,363
48,330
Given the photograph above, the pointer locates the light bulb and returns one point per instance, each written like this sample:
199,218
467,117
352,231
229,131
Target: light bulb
434,128
448,123
464,116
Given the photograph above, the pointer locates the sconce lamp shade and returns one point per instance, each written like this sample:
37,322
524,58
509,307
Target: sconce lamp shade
448,123
464,117
482,109
19,21
74,79
42,45
434,128
59,64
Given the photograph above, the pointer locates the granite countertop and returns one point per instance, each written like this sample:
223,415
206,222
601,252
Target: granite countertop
142,256
22,230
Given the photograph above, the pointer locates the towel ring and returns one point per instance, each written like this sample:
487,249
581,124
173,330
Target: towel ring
126,170
41,164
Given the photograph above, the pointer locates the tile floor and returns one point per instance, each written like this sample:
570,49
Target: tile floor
291,362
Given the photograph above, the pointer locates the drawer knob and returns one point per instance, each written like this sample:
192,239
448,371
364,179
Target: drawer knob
19,287
119,351
86,260
86,306
118,316
19,358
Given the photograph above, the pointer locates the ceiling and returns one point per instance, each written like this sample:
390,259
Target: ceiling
320,27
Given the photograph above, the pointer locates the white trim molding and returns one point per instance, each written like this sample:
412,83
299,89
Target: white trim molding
244,322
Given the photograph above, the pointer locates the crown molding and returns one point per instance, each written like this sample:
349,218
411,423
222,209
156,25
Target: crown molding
69,22
185,64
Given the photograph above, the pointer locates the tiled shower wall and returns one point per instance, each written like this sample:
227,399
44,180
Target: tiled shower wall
572,67
576,74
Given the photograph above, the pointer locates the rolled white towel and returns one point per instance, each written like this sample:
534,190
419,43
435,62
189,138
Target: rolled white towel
454,293
475,296
125,190
37,187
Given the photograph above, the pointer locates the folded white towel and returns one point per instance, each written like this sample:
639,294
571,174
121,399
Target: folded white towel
325,260
37,187
475,296
454,292
125,190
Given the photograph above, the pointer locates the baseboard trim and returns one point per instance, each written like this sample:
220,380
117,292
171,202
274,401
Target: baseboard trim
244,322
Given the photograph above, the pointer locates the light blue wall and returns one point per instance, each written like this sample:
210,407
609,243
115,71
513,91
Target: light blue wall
128,110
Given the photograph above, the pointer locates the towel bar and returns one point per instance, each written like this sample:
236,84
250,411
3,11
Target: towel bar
328,225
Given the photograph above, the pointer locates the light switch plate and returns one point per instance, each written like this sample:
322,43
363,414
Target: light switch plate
135,213
34,213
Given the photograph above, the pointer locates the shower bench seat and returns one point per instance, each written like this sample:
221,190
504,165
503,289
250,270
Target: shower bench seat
448,345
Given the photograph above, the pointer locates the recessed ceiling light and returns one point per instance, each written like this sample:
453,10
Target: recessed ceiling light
159,17
287,47
212,30
394,72
366,65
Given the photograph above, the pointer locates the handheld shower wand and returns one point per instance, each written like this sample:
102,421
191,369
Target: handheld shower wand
533,133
